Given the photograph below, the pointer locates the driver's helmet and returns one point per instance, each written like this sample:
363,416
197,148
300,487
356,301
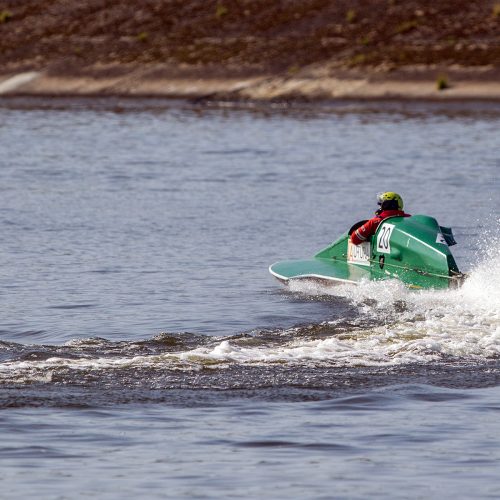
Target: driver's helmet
390,201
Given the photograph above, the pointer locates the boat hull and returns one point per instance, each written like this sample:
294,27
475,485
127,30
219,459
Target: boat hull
318,270
413,250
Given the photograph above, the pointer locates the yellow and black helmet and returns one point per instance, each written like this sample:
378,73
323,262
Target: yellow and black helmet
390,201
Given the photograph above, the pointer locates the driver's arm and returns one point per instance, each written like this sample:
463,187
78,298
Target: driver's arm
364,232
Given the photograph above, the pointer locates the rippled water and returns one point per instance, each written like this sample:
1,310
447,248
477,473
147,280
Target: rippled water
144,344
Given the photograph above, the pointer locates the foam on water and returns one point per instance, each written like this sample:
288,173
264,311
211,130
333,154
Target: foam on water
407,327
417,326
396,326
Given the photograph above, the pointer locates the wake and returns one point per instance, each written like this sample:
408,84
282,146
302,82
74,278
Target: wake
396,327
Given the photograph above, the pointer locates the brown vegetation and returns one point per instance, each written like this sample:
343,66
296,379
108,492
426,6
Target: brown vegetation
247,36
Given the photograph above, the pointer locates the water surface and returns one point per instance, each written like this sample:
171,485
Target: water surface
145,349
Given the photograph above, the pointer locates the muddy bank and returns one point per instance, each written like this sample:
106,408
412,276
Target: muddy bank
308,49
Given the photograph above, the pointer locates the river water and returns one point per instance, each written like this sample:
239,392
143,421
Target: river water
146,350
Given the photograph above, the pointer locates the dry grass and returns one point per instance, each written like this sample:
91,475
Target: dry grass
257,36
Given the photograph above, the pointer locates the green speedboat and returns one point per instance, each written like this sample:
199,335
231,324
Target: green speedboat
413,249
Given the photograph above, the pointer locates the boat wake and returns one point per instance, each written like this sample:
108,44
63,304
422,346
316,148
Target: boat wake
397,331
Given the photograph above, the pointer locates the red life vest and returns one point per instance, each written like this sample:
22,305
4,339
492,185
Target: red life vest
368,229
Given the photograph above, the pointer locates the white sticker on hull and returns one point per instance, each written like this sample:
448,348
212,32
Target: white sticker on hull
440,239
359,254
384,238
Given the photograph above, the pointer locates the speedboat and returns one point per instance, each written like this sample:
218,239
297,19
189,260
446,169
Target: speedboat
414,250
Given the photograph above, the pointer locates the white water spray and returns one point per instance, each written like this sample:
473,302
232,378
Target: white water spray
461,323
407,327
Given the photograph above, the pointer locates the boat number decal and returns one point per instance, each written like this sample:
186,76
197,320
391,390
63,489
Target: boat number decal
359,254
384,238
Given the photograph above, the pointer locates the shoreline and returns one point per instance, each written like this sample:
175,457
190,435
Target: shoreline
316,85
